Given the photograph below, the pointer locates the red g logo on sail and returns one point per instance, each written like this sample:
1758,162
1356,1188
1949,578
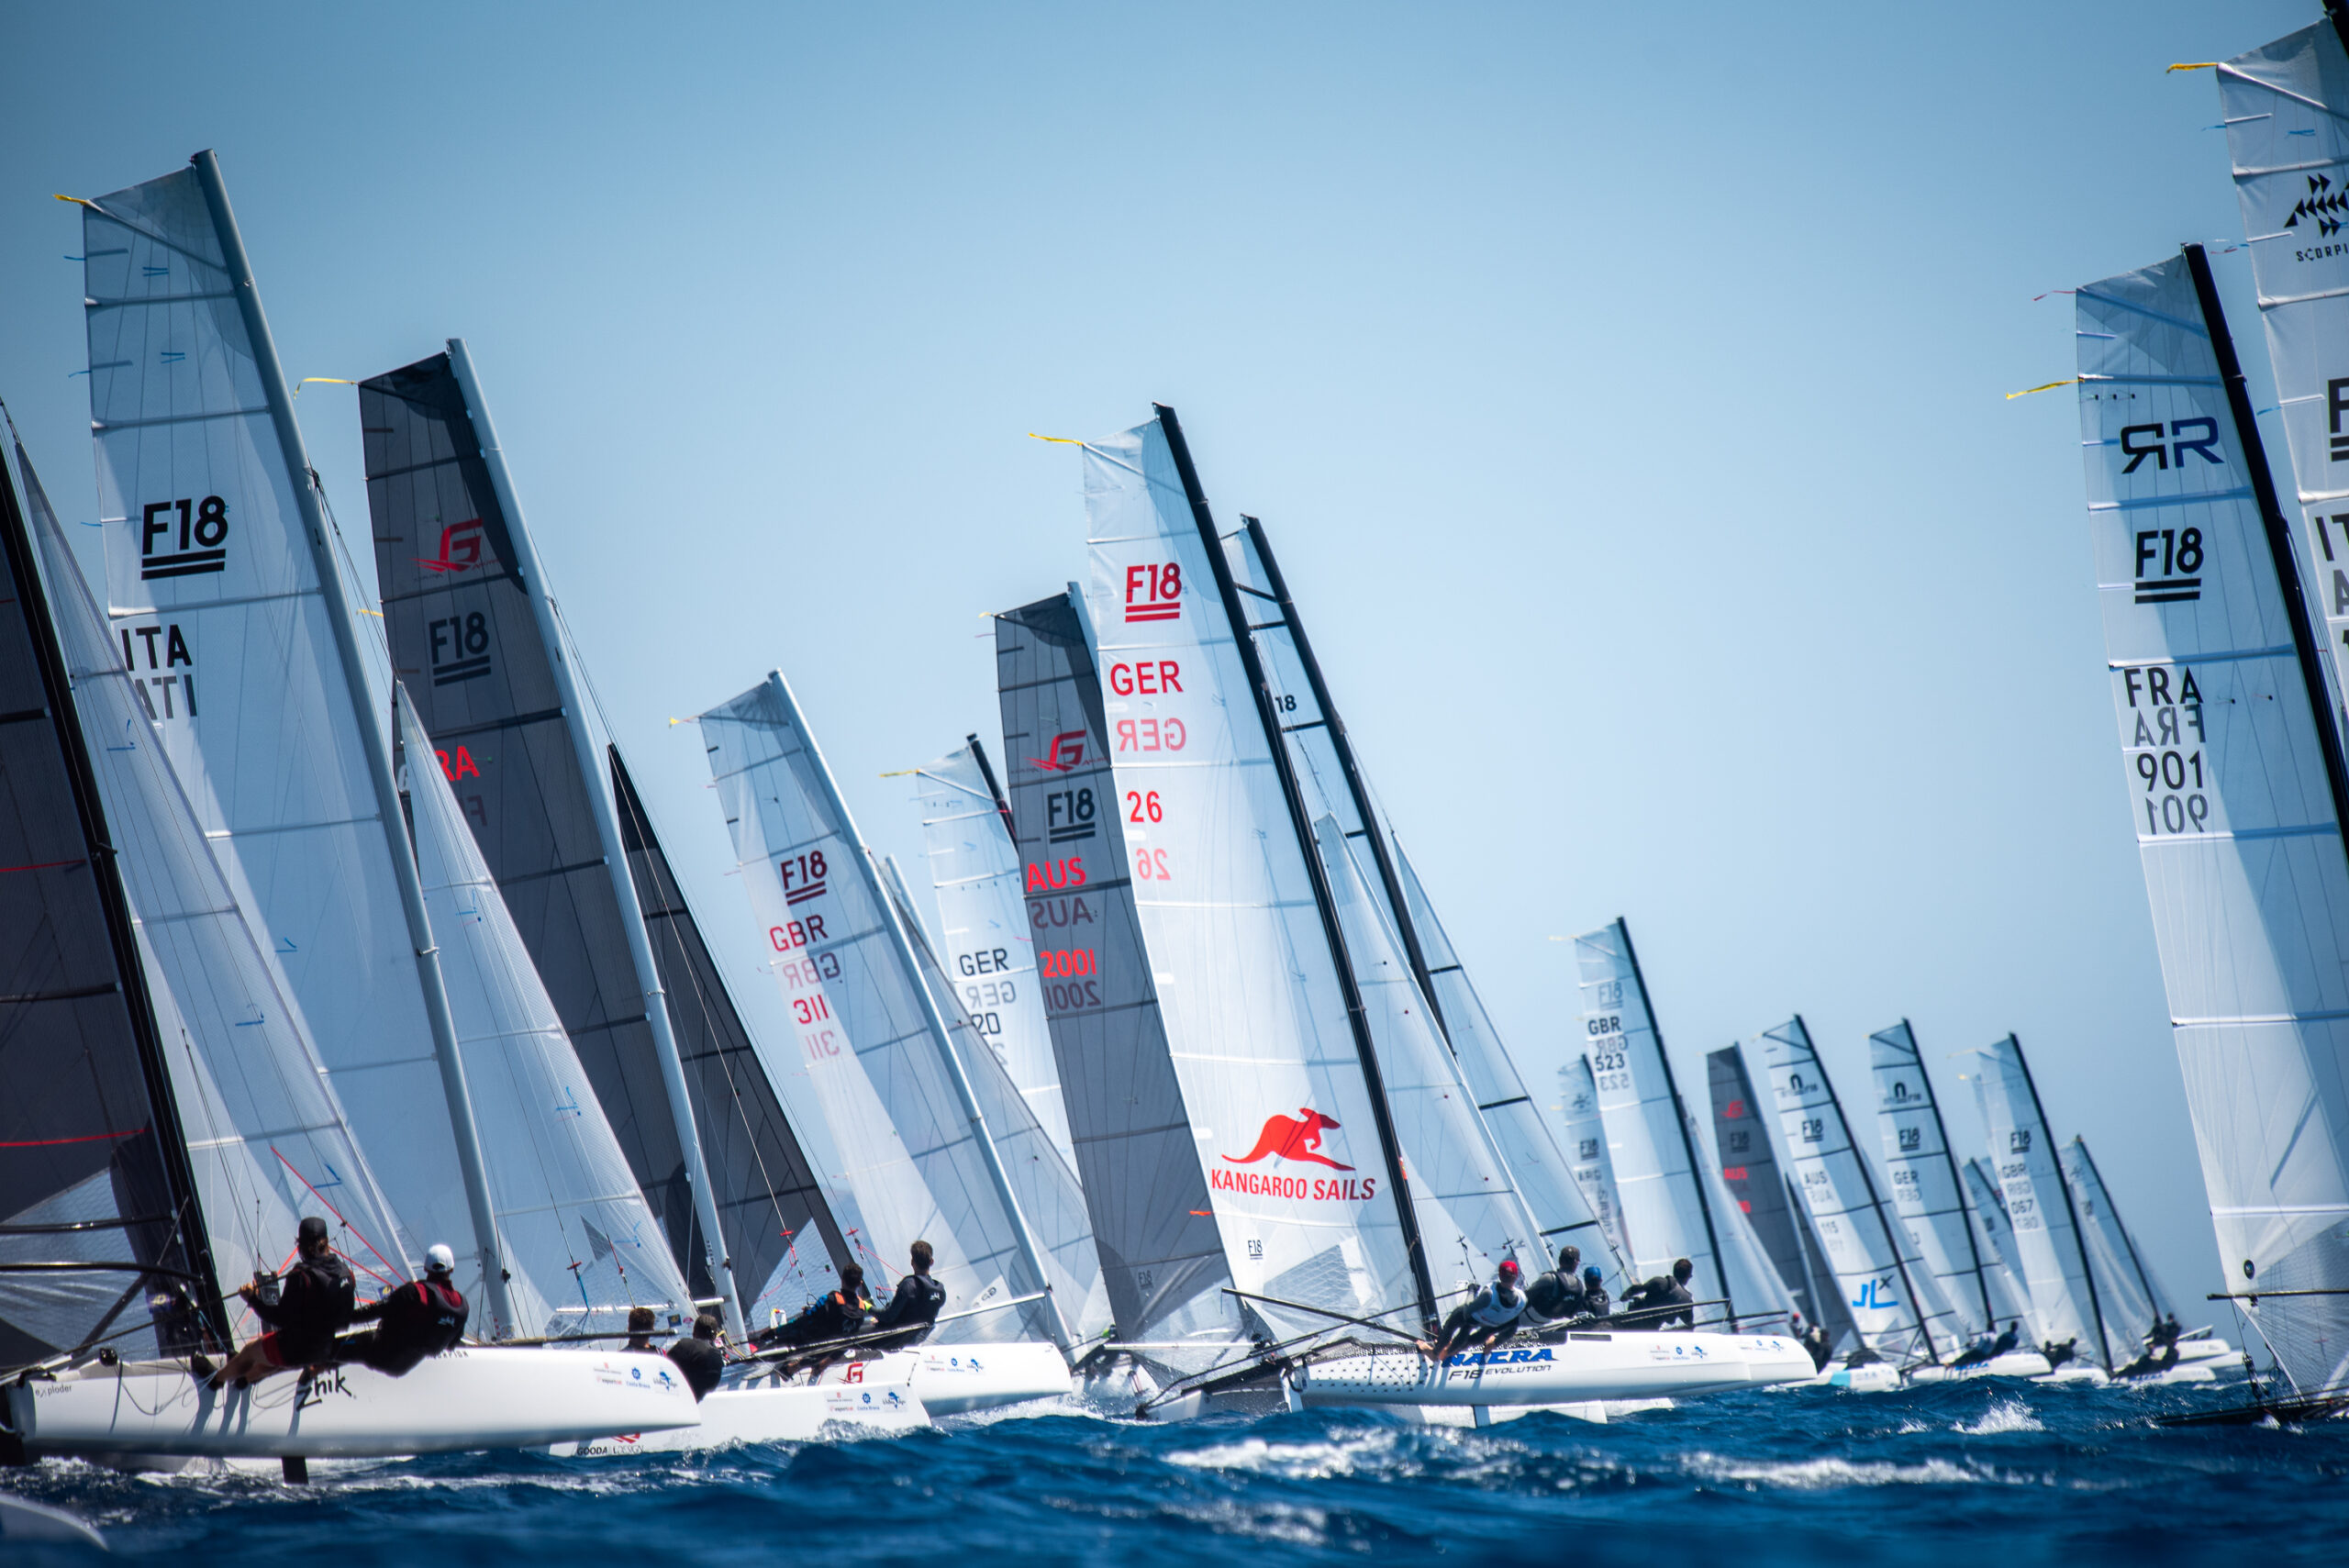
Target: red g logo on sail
1154,592
460,548
1067,751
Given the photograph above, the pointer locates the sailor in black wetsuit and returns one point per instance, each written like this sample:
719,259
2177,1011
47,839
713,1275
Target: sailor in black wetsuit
2058,1354
838,1314
1664,1300
422,1317
699,1358
1595,1304
1555,1296
315,1300
915,1305
639,1331
1486,1319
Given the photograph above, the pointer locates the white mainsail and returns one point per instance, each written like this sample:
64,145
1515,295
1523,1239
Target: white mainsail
893,1089
976,871
265,1134
228,602
2049,1252
582,1242
1664,1213
2001,1263
1926,1193
1884,1283
1759,1299
2124,1286
2231,753
1586,1147
1303,1174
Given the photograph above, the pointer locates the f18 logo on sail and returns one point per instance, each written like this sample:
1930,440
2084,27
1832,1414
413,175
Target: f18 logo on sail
1154,592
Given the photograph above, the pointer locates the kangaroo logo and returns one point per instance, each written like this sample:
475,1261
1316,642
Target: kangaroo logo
1295,1138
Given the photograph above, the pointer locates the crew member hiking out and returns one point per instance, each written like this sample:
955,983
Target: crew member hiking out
422,1317
1662,1301
1555,1296
306,1310
1486,1319
699,1358
915,1304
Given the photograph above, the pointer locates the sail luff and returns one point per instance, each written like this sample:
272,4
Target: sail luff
188,1231
1877,1204
1357,1016
374,743
1680,1110
951,1066
1973,1244
607,833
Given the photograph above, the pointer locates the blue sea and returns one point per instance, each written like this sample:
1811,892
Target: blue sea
1992,1475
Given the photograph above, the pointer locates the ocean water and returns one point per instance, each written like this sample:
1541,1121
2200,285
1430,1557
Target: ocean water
1991,1476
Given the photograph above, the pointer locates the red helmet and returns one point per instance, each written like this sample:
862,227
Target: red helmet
1510,1269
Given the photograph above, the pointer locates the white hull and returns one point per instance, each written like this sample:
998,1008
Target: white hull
2209,1350
2014,1363
1869,1377
1582,1368
951,1379
475,1397
873,1397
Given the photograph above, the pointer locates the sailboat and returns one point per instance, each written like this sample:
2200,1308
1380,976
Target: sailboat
1985,1205
2125,1283
1233,1002
1750,1170
921,1108
557,842
224,1129
2050,1253
1928,1195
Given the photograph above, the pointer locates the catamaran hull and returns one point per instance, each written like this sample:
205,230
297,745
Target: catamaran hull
2014,1363
1584,1368
874,1397
476,1398
951,1379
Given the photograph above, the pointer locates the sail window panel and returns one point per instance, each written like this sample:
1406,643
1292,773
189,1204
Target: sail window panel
1163,1259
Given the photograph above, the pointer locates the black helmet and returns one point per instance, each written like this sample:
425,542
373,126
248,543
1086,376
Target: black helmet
312,1228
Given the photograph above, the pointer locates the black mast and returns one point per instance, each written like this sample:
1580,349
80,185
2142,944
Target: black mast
1957,1177
1343,745
1867,1180
987,772
1357,1017
2305,640
2079,1236
187,1220
1696,1171
2337,13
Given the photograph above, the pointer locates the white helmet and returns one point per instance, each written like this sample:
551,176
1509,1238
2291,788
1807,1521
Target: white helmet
438,1260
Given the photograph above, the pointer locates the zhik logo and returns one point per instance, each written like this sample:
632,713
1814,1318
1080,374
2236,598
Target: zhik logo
1296,1137
1067,752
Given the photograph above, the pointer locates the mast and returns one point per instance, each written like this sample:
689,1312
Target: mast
987,772
902,945
1325,901
2128,1242
371,738
607,839
2079,1237
1342,743
2337,13
57,688
1957,1180
1875,1200
1680,1113
2305,641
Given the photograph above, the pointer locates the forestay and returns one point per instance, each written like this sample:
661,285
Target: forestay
2001,1263
238,645
265,1135
2230,752
990,951
1516,1144
2124,1286
1753,1183
1586,1139
2049,1251
1664,1213
583,1244
876,1047
1882,1281
1280,1089
94,1169
1162,1254
1926,1195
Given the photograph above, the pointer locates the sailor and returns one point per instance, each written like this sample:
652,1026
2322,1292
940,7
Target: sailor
699,1358
842,1313
915,1305
639,1331
1822,1350
1595,1304
311,1304
2007,1340
422,1317
2058,1354
1664,1300
1555,1295
1486,1319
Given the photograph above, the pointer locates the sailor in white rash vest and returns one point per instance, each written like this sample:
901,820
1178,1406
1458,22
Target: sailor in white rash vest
1485,1319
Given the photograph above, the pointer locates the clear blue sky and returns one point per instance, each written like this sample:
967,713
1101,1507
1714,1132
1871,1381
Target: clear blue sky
1622,385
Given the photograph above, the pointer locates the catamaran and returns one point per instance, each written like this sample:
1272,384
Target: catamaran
1766,1196
2125,1286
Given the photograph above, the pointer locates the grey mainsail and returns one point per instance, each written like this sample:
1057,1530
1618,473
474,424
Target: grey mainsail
2230,736
1161,1255
1750,1170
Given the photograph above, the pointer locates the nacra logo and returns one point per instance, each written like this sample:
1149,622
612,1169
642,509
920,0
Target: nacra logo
1067,751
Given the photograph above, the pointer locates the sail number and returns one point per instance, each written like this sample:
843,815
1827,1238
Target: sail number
1142,806
1150,865
2165,748
2178,807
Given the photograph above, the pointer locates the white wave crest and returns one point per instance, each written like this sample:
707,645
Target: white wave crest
2003,1416
1820,1474
1292,1462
